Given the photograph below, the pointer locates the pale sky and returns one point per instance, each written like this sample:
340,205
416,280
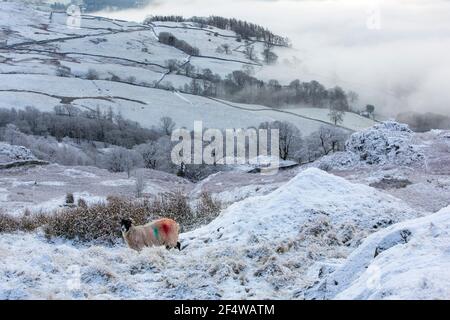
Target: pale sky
395,53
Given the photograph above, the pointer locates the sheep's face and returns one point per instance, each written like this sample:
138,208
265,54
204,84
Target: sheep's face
125,225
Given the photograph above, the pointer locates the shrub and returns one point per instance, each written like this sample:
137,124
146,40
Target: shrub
174,206
131,79
8,223
92,75
27,222
70,199
32,221
100,222
82,203
115,78
63,72
207,208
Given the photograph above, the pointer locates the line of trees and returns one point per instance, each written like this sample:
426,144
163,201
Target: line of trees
244,29
43,134
240,87
69,121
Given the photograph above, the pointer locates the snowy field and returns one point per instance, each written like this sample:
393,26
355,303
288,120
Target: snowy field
40,47
247,257
44,188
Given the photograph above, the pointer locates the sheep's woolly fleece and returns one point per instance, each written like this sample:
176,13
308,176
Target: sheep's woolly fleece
271,246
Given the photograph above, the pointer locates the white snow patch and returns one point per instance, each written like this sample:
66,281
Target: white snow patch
118,182
75,173
3,194
409,260
10,153
240,193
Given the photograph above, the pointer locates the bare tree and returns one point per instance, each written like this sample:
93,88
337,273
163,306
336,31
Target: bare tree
172,65
226,48
327,140
336,115
167,125
149,153
289,135
122,160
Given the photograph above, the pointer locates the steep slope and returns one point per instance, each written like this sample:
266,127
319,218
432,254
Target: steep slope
272,246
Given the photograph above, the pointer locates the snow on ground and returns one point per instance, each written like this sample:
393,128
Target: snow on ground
144,105
11,153
41,47
207,41
3,195
240,193
414,167
409,260
387,143
44,188
262,247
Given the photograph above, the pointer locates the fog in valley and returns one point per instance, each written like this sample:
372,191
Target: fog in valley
394,54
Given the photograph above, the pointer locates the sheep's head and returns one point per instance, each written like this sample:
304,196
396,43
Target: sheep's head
126,224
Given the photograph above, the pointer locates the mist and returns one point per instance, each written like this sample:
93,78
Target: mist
393,53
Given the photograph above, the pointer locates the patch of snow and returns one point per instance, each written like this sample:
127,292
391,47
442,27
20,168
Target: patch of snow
75,173
11,153
387,143
262,247
52,183
240,193
59,202
409,260
118,182
3,195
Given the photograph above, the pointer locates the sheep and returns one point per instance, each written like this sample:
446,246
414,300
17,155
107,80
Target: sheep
156,233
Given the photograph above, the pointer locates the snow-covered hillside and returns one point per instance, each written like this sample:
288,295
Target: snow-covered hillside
371,222
272,246
44,63
414,167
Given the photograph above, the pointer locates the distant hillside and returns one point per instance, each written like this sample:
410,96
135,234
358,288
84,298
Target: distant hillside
97,5
244,29
124,66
